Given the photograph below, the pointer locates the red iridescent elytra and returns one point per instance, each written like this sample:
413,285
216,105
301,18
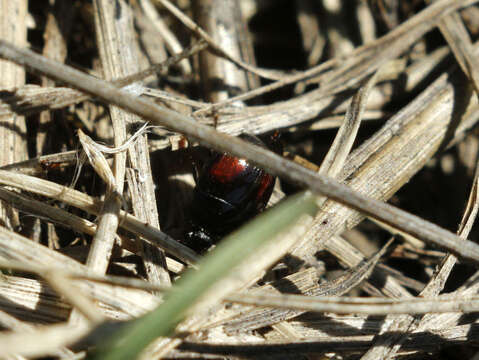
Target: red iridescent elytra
266,182
227,168
228,192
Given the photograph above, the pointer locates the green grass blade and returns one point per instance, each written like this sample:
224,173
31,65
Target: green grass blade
128,342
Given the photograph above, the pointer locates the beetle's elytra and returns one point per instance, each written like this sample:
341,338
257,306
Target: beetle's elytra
229,191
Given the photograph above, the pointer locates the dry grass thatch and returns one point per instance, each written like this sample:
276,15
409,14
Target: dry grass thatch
376,101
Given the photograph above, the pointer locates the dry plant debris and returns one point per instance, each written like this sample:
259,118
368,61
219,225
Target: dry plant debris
377,105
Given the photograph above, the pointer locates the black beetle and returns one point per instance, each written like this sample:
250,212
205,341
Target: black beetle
229,191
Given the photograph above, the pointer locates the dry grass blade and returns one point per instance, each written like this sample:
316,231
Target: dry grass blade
349,255
68,274
12,323
98,161
396,152
264,317
109,48
472,207
94,153
108,39
45,211
63,286
32,99
302,282
438,280
225,24
39,303
286,114
16,247
387,47
457,37
343,142
103,240
367,306
389,346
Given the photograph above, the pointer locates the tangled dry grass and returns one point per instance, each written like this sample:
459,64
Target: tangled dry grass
376,102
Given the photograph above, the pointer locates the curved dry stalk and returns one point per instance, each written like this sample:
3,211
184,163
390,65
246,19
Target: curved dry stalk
359,305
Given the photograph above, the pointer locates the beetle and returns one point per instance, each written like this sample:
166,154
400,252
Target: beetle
229,191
